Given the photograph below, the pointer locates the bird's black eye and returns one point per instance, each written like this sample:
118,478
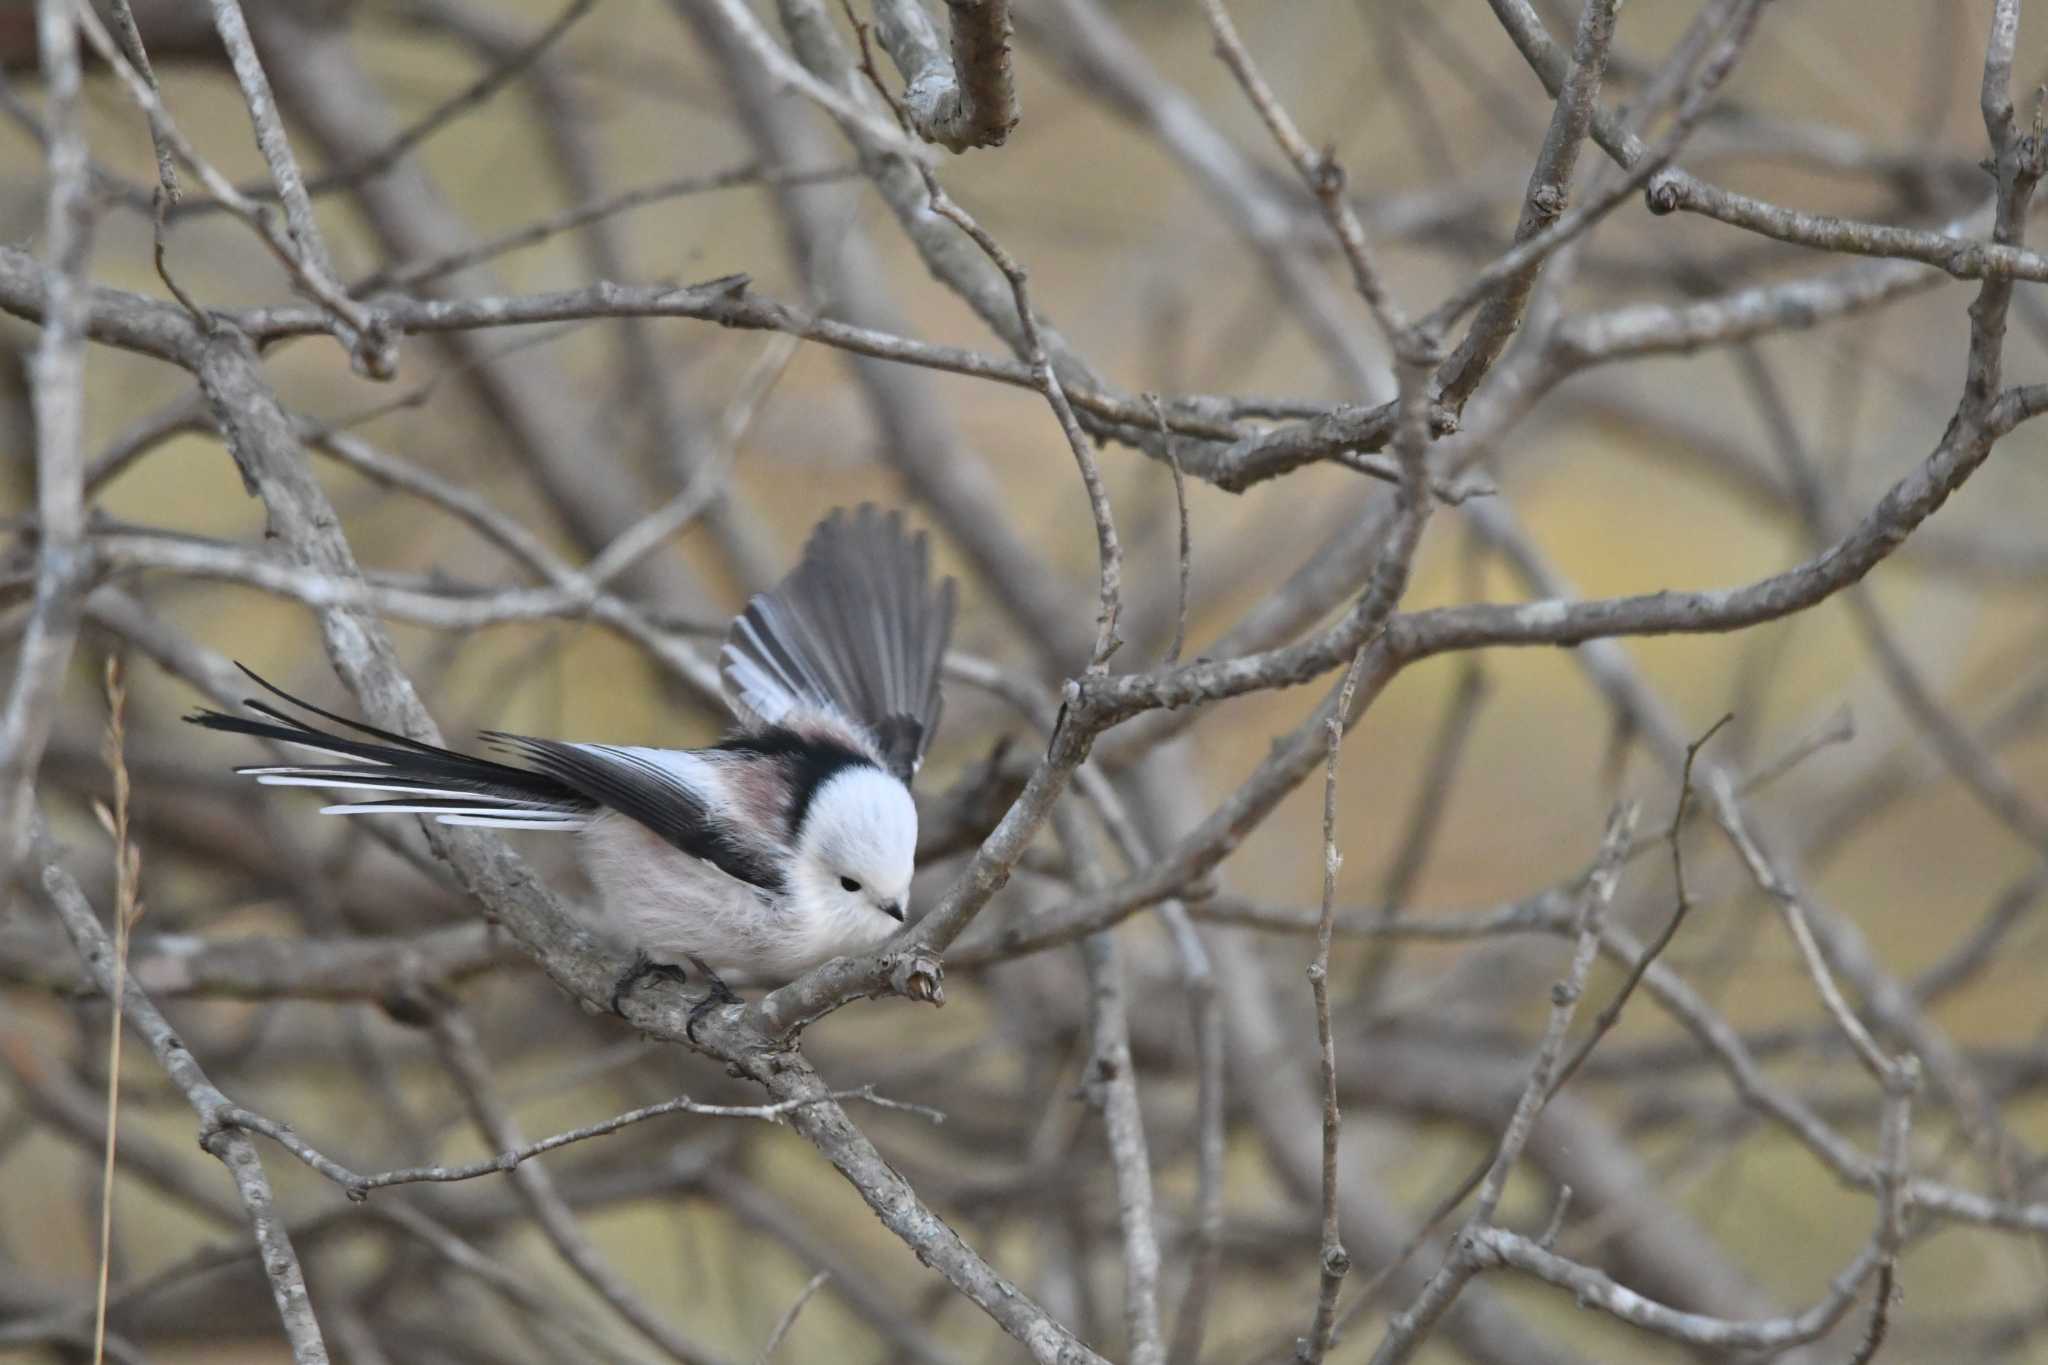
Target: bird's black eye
848,884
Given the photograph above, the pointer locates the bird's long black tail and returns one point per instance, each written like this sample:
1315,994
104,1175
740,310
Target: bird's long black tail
453,788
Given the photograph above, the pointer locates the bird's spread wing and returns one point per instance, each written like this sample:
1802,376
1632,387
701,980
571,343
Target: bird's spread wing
663,789
853,636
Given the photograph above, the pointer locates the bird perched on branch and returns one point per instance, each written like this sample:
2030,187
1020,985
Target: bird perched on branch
789,842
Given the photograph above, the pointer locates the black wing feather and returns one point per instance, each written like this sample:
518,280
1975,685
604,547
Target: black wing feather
646,792
564,777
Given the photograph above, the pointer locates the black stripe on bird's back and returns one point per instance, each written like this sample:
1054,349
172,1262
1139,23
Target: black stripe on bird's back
807,762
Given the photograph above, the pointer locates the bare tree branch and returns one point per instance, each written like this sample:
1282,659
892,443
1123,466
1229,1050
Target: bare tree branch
216,1135
962,100
58,380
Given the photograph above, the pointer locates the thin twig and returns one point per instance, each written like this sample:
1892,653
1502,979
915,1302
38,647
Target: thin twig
788,1318
127,909
356,327
707,479
1446,754
1180,507
1481,1170
1112,1087
462,1054
1407,1329
471,96
1320,172
1560,1208
1610,1013
1335,1262
763,49
159,137
358,1185
1894,1199
412,274
1543,202
1107,548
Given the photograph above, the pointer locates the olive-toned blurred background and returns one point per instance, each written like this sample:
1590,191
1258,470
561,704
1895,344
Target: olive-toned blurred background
1659,473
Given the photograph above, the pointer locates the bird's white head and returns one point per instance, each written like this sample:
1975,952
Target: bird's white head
856,850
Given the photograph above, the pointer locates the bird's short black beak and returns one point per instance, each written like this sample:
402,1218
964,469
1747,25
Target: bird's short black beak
894,910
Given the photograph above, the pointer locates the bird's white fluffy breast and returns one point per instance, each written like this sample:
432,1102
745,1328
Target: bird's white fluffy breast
662,901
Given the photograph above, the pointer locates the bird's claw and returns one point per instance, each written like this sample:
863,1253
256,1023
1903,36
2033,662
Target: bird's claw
719,994
644,968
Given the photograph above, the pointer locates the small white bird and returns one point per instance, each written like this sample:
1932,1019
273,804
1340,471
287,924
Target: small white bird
787,843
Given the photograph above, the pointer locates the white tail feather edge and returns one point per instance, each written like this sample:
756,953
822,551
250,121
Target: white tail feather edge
496,812
482,817
408,789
